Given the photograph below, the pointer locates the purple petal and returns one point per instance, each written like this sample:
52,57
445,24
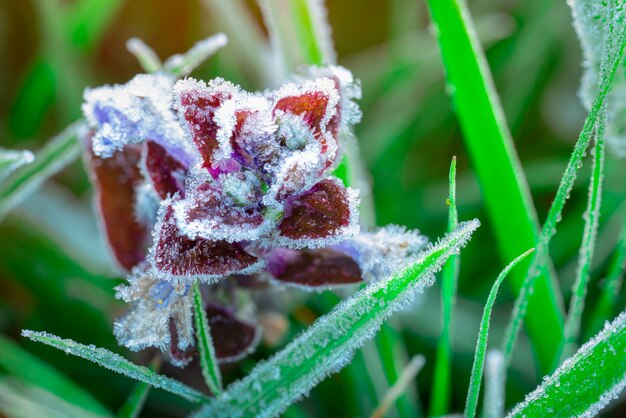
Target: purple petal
115,180
166,173
233,338
313,268
176,257
321,216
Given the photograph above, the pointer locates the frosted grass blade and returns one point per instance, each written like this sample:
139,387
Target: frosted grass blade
208,359
605,307
11,160
503,185
483,335
442,385
52,158
16,362
494,385
587,247
586,382
117,363
147,58
312,31
135,402
394,392
329,344
181,65
539,264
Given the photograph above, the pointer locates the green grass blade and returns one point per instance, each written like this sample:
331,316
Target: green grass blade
328,345
19,363
585,382
493,406
117,363
138,396
503,185
483,335
181,65
440,400
605,307
307,32
540,261
404,380
58,153
208,359
11,160
146,57
587,247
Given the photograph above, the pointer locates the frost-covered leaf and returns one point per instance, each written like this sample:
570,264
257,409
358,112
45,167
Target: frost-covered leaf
175,257
483,335
586,382
52,158
321,216
319,268
206,350
115,180
596,23
18,363
329,344
117,363
11,160
183,64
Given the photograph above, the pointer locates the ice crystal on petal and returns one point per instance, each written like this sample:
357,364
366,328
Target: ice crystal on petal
319,268
165,173
177,258
130,113
324,215
156,304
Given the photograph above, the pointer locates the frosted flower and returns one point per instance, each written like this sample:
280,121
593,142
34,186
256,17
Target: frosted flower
206,182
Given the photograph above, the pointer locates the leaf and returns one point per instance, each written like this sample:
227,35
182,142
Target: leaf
503,185
54,156
586,382
208,359
494,385
117,363
20,363
442,385
483,335
541,260
11,160
182,65
329,344
587,247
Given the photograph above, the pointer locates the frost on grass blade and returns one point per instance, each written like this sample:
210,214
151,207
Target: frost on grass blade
115,362
493,403
206,350
586,382
596,23
320,268
322,216
177,258
183,64
11,160
329,344
115,180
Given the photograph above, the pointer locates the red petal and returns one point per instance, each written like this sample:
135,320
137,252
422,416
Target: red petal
211,215
166,173
199,106
314,268
114,180
175,256
233,338
322,211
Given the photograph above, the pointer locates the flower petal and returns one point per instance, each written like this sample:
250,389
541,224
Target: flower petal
209,213
322,216
323,267
197,104
233,338
165,172
115,180
176,257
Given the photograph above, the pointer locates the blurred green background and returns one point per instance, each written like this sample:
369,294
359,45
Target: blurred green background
54,277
